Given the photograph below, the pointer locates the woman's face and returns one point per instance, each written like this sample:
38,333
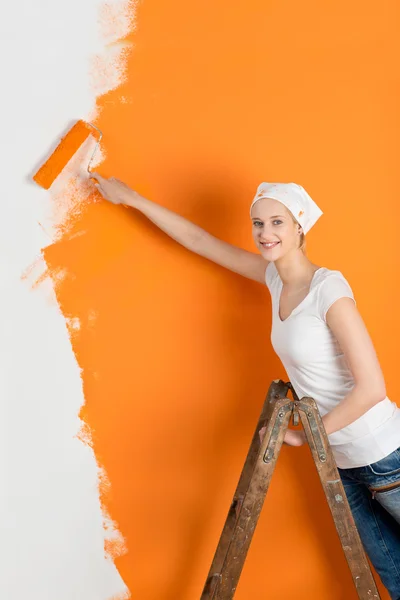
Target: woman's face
274,231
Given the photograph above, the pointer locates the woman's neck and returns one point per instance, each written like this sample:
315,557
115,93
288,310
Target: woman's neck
295,269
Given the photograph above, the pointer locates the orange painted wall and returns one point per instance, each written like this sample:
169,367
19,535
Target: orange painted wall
174,350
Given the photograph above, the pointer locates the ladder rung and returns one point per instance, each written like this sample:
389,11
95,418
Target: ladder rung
248,499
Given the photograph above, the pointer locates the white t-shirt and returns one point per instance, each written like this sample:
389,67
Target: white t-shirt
317,367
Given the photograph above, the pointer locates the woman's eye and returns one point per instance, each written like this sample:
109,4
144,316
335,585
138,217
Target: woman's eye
277,222
258,223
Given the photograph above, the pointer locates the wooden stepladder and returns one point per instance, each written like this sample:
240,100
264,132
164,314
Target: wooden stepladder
254,481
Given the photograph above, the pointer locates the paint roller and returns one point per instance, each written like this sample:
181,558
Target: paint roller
65,150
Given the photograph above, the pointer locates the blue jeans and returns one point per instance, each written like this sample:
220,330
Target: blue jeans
377,515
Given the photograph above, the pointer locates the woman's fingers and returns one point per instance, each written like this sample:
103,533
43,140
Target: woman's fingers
96,176
98,182
110,188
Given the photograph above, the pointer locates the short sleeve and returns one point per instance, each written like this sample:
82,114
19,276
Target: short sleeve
335,286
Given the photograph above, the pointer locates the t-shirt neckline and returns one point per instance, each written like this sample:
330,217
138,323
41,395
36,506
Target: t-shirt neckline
300,303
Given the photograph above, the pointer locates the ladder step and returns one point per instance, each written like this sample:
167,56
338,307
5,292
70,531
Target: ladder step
248,499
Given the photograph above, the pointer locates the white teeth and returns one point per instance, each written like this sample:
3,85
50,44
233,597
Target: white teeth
270,244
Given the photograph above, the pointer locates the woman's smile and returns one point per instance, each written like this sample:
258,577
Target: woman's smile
269,245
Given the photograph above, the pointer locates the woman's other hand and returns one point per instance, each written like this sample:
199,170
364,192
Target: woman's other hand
292,437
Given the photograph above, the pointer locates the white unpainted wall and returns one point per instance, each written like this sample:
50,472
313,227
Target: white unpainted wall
51,523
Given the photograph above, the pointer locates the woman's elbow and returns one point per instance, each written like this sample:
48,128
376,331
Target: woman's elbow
376,394
372,393
380,394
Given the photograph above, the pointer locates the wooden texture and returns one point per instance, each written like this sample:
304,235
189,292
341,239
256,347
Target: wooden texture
248,500
336,498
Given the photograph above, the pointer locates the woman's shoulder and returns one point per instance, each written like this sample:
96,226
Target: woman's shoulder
326,274
325,281
321,274
330,285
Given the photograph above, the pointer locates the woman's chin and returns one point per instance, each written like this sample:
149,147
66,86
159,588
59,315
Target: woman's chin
271,254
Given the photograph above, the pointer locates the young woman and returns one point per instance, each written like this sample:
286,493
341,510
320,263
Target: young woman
322,341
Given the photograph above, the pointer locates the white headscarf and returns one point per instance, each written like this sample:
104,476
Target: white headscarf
295,198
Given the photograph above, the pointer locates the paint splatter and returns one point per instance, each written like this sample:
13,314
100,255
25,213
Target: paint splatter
56,522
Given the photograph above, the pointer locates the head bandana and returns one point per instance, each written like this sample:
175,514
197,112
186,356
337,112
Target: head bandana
295,198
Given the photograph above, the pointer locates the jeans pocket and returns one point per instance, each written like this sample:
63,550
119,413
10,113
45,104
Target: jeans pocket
390,500
387,466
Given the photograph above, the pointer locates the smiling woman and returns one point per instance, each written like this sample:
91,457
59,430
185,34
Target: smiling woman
161,357
289,198
321,340
275,230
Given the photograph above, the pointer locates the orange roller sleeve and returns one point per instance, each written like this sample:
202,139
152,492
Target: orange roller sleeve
67,147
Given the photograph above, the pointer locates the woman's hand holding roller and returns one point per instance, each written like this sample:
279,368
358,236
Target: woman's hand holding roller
115,191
